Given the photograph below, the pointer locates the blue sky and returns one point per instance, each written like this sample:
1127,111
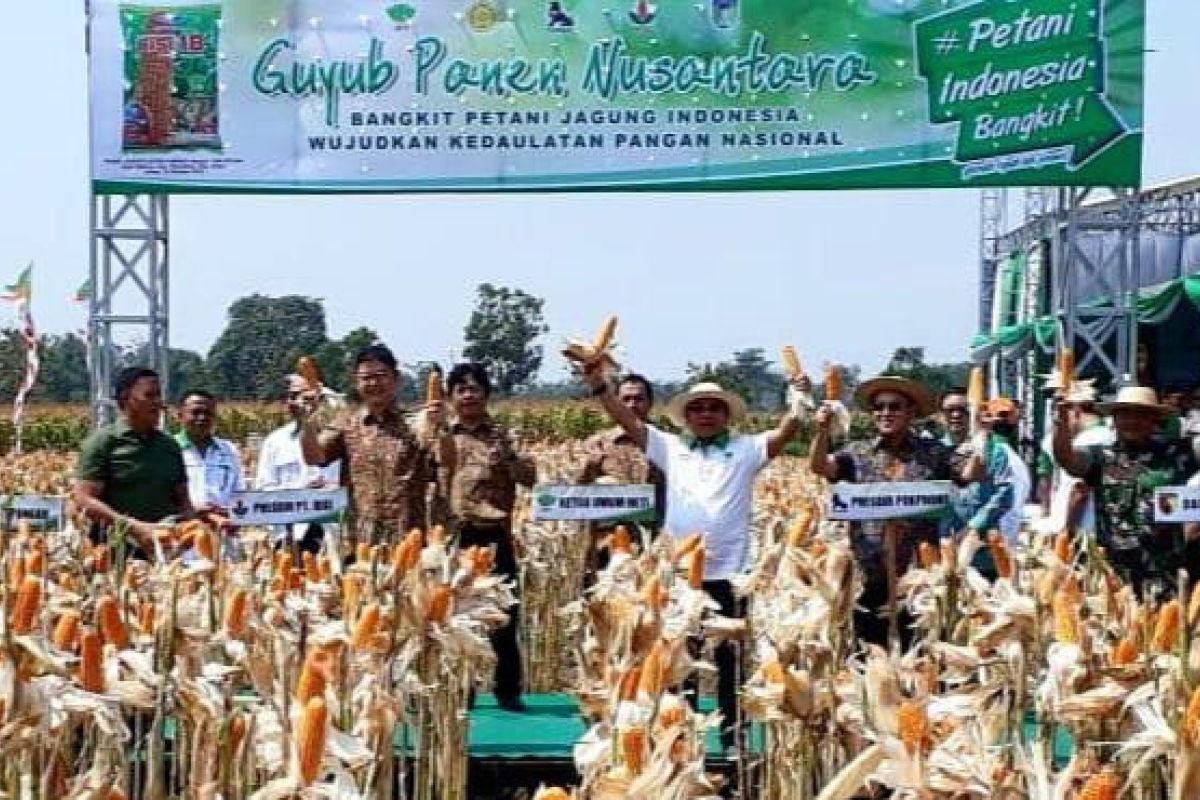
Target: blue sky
844,276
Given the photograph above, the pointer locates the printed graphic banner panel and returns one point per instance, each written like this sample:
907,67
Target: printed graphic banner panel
446,95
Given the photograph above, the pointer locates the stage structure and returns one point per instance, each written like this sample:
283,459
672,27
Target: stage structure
1101,270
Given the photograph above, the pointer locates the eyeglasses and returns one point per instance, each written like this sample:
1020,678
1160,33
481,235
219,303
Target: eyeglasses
883,408
372,377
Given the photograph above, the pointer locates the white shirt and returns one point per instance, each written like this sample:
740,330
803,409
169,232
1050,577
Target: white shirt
710,491
1015,474
215,475
1063,482
281,464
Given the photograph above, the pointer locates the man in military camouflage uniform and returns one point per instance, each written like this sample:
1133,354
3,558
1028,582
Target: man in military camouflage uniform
1123,476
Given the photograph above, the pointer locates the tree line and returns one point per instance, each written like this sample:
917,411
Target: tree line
264,336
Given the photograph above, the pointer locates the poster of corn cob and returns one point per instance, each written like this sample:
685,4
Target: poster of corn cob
414,95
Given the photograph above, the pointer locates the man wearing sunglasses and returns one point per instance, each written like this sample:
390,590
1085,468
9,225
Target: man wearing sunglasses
709,472
896,454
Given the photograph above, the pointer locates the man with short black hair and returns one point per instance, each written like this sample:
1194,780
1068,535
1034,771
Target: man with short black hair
484,490
213,464
386,466
956,416
130,473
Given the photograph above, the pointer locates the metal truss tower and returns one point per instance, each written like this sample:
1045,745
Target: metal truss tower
129,268
993,207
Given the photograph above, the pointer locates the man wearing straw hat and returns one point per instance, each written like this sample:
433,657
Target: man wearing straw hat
1123,477
895,454
1068,500
709,472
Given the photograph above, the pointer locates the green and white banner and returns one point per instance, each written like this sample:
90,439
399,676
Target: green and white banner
595,502
450,95
1177,504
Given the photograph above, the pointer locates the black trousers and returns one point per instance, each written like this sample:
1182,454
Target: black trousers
728,661
504,640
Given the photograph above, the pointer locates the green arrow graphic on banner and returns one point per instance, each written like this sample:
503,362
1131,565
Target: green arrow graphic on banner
1019,78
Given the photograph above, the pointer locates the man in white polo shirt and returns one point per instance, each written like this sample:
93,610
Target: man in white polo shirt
709,472
213,465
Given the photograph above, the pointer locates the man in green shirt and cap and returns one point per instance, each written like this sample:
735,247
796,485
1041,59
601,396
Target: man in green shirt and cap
130,473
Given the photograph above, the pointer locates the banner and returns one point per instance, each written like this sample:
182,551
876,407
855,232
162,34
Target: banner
459,95
594,502
1177,504
43,512
872,501
285,506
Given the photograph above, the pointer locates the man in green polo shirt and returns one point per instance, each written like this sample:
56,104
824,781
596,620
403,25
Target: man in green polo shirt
130,472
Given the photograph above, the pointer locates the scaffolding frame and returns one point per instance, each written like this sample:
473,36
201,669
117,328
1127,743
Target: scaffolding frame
129,266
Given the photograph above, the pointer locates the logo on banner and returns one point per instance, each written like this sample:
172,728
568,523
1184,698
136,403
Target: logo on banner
1177,504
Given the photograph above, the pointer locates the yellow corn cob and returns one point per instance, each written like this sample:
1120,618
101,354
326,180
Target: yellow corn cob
654,594
791,362
236,611
27,605
1066,618
926,555
912,725
1104,785
695,569
433,387
439,603
91,671
324,569
687,544
949,555
310,739
362,553
604,336
619,540
237,730
66,631
1193,614
112,627
1000,555
629,683
352,586
101,561
1126,652
1066,368
773,673
1062,546
16,571
551,793
798,533
655,670
206,544
1166,629
1191,720
314,676
633,749
366,627
146,617
309,562
976,391
833,382
35,562
408,552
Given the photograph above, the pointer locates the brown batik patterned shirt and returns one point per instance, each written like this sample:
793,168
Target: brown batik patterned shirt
487,471
917,459
388,472
613,454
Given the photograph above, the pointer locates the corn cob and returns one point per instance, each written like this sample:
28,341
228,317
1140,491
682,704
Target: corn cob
798,533
695,569
91,671
146,617
16,571
112,627
1000,555
362,553
237,730
1104,785
308,370
633,749
604,336
619,540
35,562
66,631
655,594
1066,618
206,544
1126,652
655,671
629,683
976,390
366,627
1191,720
439,603
100,558
912,725
314,676
687,544
772,672
433,387
309,565
791,363
1066,368
1166,629
833,382
926,556
1062,546
310,739
551,793
27,605
352,586
408,552
236,611
1193,614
